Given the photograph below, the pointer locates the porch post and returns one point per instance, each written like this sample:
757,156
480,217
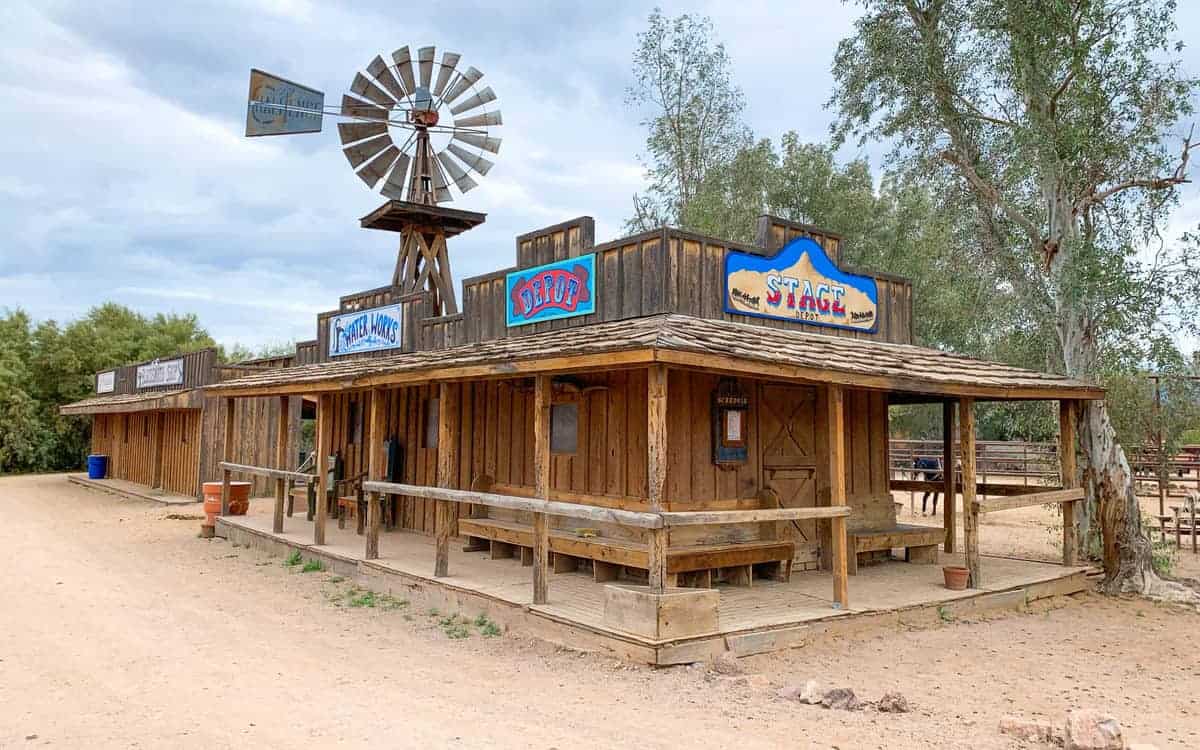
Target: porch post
1066,448
447,472
542,393
324,445
837,492
376,464
949,484
656,463
227,452
966,441
156,460
281,461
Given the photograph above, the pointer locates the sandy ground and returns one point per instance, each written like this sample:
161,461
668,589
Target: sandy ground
123,629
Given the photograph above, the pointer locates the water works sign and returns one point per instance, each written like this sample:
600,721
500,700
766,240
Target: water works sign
371,330
563,289
165,372
799,283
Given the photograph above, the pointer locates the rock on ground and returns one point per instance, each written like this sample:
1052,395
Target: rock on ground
1088,729
893,703
1027,730
840,698
809,693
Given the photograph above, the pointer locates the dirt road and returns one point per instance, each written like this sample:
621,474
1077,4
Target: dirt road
122,629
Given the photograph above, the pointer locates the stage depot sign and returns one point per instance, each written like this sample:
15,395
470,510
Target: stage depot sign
563,289
277,106
166,372
365,331
799,283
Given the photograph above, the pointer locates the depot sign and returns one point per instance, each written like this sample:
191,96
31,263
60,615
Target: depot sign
564,289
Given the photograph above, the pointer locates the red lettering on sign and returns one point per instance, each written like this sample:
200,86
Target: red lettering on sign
556,288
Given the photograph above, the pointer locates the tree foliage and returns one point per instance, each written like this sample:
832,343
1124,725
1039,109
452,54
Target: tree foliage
43,366
692,110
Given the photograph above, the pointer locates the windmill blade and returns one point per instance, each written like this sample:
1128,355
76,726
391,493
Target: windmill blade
361,152
462,180
484,120
359,109
378,167
396,186
483,97
403,62
474,162
449,60
464,82
441,191
363,87
425,63
479,141
380,71
351,132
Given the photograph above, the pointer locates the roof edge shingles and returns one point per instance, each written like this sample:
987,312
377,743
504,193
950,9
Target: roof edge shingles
689,341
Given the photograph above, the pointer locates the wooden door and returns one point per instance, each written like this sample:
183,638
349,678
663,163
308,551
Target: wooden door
787,417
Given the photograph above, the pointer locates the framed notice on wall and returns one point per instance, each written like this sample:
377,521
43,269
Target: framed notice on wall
165,372
106,382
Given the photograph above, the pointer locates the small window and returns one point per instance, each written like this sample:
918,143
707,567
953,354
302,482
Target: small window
564,428
355,423
431,423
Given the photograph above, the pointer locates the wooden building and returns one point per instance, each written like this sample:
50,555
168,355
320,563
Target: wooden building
670,413
159,429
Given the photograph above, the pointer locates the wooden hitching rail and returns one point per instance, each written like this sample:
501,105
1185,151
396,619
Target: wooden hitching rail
654,523
283,484
993,504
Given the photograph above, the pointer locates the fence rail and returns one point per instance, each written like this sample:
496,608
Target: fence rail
284,480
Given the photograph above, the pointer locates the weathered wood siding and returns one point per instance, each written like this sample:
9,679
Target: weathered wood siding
180,470
197,371
255,437
665,271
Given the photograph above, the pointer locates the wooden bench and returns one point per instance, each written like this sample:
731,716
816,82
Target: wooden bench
608,555
920,543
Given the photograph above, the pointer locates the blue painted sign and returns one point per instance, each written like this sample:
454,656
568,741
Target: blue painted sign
563,289
801,284
277,106
360,331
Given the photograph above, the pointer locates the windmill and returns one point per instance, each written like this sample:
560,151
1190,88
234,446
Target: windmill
412,129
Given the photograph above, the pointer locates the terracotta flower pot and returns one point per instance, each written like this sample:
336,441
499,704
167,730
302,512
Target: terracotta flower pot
956,577
239,500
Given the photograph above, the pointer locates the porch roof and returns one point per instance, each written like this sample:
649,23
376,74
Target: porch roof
682,340
182,398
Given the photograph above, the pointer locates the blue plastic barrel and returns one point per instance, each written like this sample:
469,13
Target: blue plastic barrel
97,466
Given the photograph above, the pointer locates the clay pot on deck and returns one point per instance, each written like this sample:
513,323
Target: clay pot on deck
239,500
956,577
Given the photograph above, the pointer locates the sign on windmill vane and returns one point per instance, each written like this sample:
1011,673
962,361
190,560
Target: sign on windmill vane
277,106
564,289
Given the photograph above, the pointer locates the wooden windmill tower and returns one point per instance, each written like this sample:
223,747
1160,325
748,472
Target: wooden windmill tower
444,126
435,102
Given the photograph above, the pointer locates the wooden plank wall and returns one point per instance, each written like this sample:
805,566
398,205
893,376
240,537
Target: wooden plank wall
255,431
660,272
180,451
197,371
128,441
609,467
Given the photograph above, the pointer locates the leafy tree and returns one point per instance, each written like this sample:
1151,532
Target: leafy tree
43,366
1054,118
693,110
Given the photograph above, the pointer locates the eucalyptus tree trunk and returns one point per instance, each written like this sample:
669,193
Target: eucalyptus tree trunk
1111,518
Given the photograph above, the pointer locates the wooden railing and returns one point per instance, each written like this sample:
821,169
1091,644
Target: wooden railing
284,481
654,524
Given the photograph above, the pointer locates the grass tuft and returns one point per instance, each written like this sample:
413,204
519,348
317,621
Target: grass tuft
293,559
312,566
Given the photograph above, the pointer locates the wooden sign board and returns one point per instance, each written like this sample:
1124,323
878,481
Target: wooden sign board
801,284
564,289
376,329
166,372
277,106
106,382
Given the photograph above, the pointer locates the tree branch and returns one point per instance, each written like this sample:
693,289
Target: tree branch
1178,177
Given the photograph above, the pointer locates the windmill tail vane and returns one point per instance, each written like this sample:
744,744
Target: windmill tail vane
412,127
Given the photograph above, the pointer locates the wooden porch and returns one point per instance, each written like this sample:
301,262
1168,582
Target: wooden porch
766,616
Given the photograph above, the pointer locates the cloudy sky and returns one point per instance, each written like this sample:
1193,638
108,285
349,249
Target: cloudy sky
126,175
